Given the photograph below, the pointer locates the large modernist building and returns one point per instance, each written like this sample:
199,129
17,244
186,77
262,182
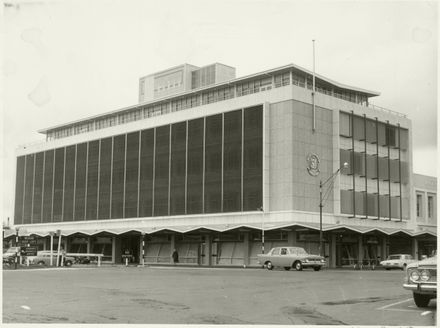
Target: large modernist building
208,164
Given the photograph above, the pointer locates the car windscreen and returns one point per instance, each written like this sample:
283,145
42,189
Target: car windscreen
394,257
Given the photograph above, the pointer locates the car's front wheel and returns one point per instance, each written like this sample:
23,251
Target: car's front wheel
421,300
41,263
68,263
298,266
269,265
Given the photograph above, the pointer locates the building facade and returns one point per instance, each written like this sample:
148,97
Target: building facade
212,163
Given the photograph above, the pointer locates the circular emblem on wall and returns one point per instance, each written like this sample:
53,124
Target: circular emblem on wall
313,164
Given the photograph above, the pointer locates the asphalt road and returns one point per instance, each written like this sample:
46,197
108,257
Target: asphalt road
180,295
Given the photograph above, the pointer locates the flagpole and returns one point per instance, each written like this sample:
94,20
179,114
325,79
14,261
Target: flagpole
313,90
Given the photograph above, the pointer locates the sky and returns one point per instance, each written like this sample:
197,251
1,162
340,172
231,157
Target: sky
67,60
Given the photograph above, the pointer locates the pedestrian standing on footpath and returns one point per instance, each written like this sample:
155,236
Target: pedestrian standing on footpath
175,257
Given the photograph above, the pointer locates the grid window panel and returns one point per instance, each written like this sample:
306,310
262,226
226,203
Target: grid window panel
105,178
232,161
117,203
253,159
19,190
69,184
81,178
28,186
48,185
92,180
178,168
195,166
359,163
161,184
146,173
38,187
58,185
213,164
132,175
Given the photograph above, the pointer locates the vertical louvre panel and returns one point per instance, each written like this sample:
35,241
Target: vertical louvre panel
345,157
195,166
372,208
28,186
346,202
394,170
232,162
58,185
69,184
105,178
161,182
358,128
344,124
403,139
178,168
371,167
213,163
38,187
371,131
360,203
118,177
253,159
381,134
81,178
131,176
19,190
146,174
48,185
384,206
92,180
383,168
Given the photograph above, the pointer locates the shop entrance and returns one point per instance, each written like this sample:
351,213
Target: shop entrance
130,248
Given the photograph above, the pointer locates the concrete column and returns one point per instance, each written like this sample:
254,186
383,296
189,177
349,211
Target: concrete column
246,249
89,244
116,249
142,250
360,250
65,244
384,254
208,250
291,238
415,248
172,246
332,263
113,249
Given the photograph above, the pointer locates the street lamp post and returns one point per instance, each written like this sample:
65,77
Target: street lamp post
262,230
321,185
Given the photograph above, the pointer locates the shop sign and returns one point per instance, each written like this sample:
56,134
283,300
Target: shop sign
27,241
29,251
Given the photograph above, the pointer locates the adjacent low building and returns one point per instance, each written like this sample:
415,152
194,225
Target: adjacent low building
221,168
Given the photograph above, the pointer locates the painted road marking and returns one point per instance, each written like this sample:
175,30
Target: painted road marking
426,312
25,307
389,305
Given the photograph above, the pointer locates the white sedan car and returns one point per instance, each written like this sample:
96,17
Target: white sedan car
397,261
